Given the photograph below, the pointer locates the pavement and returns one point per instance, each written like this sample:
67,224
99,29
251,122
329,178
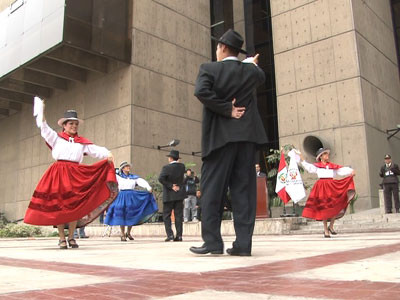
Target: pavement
347,266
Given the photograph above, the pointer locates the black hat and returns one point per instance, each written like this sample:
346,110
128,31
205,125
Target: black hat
232,39
320,152
174,154
387,156
69,115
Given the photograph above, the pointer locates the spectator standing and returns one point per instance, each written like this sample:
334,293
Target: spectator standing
171,177
258,171
81,234
190,204
389,172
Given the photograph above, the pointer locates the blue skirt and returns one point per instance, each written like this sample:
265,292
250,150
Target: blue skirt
131,207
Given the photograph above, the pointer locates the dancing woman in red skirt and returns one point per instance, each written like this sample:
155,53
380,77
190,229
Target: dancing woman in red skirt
70,192
329,197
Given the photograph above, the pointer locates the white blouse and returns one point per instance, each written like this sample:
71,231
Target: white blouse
129,183
326,172
69,150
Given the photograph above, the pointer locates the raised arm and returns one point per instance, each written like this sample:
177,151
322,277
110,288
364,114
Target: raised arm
345,171
97,152
310,168
144,184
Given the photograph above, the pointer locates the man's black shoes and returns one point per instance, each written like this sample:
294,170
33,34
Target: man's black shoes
237,252
204,250
178,239
169,238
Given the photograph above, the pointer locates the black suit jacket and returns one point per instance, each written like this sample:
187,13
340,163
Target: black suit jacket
390,174
216,85
172,173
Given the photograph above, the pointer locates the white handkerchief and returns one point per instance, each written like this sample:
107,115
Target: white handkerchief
38,111
294,153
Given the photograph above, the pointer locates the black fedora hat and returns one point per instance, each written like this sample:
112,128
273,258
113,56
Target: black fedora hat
232,39
174,154
69,115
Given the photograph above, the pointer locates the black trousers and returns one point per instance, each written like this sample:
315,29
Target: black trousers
177,206
390,189
230,166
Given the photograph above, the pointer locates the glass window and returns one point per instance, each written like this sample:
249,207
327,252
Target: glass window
221,20
396,27
259,40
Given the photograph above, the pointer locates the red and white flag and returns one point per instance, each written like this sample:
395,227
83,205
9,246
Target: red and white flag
294,183
280,188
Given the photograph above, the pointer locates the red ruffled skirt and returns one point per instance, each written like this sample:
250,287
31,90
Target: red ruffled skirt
329,198
69,191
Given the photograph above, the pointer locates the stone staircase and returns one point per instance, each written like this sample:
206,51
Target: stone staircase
366,221
262,226
372,220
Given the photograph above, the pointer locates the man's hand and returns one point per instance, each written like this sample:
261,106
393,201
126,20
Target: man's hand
110,157
237,112
175,187
252,59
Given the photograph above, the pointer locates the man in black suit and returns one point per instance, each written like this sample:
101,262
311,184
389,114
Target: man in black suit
258,171
389,172
171,177
231,131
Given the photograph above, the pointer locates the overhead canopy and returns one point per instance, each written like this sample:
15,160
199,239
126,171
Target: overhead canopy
46,44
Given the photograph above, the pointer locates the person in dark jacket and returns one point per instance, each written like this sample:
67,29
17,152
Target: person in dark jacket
231,131
190,209
389,172
171,177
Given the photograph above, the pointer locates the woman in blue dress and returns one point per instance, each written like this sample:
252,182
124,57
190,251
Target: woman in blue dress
131,207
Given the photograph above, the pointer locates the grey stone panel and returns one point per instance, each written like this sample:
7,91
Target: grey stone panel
301,29
346,59
279,6
374,29
341,16
350,102
324,62
328,106
282,33
308,114
382,9
378,69
288,115
320,21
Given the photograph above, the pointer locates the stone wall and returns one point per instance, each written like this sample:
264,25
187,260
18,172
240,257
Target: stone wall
326,62
130,110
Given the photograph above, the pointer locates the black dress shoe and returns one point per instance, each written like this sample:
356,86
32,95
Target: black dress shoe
237,252
332,231
204,250
178,239
170,238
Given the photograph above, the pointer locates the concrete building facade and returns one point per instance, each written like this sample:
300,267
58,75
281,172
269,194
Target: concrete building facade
336,77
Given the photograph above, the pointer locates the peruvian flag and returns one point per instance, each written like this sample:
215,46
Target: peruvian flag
280,188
